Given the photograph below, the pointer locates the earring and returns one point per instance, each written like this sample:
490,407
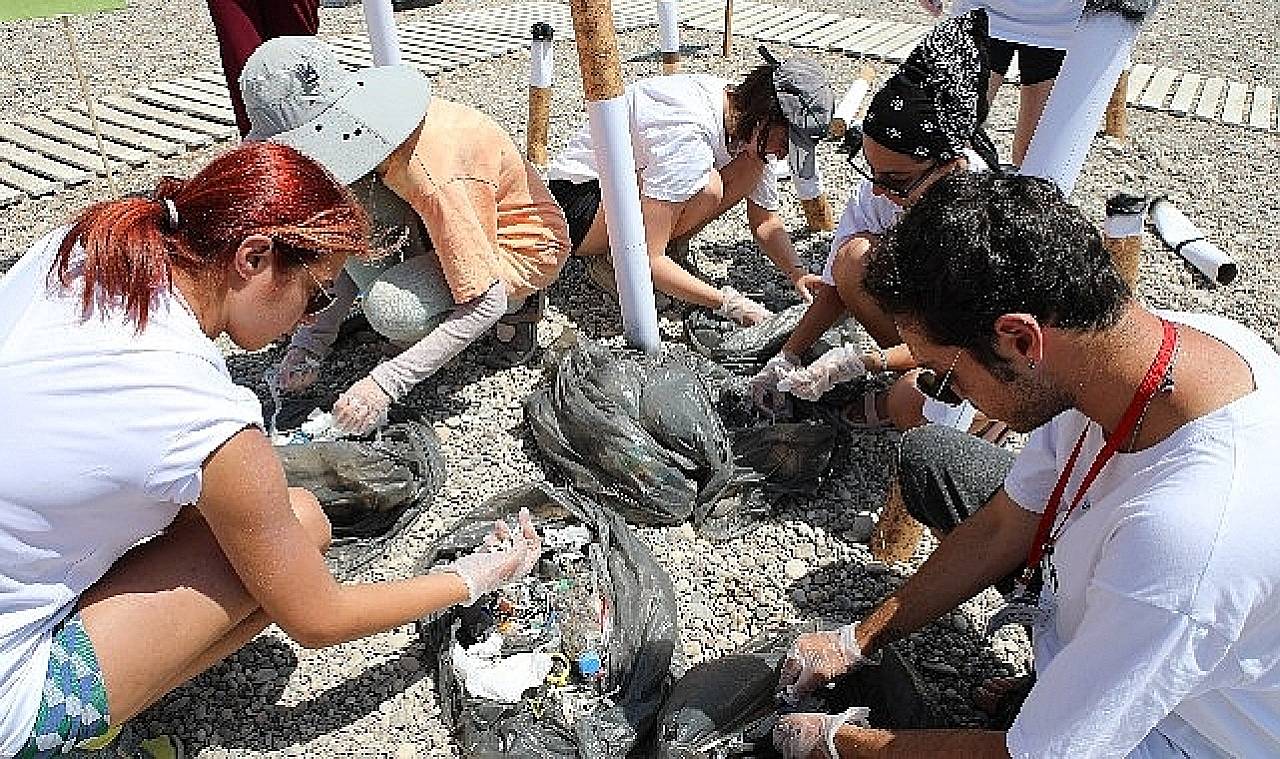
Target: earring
1031,365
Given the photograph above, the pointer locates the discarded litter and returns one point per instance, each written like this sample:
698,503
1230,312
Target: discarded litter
746,348
585,642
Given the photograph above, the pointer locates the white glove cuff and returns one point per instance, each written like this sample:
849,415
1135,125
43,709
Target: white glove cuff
472,595
858,715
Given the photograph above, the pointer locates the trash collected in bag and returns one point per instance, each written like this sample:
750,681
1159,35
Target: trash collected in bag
371,490
641,437
792,457
599,614
741,348
728,707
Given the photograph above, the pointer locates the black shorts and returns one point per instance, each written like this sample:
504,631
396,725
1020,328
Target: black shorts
580,201
1035,64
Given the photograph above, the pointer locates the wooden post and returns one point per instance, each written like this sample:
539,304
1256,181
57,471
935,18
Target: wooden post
87,94
669,35
817,214
1123,234
1117,121
538,130
897,532
728,28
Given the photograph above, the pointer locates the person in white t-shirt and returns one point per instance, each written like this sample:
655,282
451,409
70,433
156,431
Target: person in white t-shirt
922,125
146,530
700,146
1152,590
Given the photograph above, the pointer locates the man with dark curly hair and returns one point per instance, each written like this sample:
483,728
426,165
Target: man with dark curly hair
1139,519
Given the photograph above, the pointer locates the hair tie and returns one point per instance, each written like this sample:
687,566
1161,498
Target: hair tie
171,214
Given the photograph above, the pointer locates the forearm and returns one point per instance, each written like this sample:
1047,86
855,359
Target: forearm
822,314
359,610
981,550
860,743
464,325
320,336
771,235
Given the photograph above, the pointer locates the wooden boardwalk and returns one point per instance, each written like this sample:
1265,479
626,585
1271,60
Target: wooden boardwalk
40,155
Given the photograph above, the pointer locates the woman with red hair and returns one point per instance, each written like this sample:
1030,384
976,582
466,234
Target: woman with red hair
146,529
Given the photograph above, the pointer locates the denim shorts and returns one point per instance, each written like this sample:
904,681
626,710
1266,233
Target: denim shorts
73,708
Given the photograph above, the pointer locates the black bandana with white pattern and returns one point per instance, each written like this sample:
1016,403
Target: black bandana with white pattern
936,101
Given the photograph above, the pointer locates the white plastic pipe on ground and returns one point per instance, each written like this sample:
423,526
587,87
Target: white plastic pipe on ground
850,105
610,129
1098,52
669,35
380,19
1186,239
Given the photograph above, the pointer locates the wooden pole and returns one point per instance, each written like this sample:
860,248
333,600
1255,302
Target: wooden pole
538,129
87,94
1117,119
728,28
817,213
1123,233
669,35
897,533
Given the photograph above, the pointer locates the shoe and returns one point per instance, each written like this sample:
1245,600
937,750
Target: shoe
599,270
516,334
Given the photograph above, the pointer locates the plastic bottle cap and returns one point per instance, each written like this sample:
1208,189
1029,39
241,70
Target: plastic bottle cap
589,663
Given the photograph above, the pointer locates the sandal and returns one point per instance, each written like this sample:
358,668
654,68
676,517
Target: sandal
864,416
599,270
516,334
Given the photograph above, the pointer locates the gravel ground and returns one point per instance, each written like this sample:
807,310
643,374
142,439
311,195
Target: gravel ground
371,697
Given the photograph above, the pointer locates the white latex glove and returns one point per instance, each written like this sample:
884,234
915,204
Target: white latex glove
840,364
503,558
813,736
764,386
932,7
362,408
816,659
298,370
741,309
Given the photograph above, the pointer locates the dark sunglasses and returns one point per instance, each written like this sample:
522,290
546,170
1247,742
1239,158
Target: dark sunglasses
940,390
853,142
322,298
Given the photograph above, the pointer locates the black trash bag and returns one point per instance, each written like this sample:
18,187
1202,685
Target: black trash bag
744,349
792,457
728,707
640,437
638,650
371,490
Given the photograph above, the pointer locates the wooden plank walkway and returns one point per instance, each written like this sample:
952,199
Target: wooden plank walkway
41,154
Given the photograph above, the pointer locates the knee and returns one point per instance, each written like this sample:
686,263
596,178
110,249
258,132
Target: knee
904,405
308,511
408,301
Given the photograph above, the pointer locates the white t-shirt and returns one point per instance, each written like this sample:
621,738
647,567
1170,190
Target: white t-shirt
1166,634
677,138
104,436
1042,23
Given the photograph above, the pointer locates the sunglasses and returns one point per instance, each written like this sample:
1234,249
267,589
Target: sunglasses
322,298
853,141
928,383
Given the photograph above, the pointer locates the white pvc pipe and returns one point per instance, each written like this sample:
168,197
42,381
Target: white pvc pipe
668,26
383,43
620,194
806,189
1098,52
1188,241
542,69
847,108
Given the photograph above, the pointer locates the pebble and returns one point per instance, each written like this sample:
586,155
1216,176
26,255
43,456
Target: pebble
794,569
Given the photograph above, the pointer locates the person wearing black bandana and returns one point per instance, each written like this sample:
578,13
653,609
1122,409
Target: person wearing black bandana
923,124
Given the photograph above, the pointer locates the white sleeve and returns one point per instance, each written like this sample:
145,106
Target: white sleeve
675,161
765,193
1127,667
1035,471
861,215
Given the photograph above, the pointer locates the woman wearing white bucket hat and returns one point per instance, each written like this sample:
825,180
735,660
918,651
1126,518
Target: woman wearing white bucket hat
497,236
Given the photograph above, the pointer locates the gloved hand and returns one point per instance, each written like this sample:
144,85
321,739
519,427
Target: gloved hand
362,408
818,658
807,286
740,308
813,736
840,364
298,370
764,386
504,557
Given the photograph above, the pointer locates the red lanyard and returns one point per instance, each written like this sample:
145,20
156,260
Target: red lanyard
1046,536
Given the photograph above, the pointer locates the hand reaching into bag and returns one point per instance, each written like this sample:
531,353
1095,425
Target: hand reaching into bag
818,658
840,364
813,736
362,408
504,557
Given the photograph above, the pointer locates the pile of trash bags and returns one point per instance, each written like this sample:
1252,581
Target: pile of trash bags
587,639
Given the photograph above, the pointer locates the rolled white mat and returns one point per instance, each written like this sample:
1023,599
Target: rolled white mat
668,26
806,189
1186,239
383,43
847,109
1097,53
542,68
620,193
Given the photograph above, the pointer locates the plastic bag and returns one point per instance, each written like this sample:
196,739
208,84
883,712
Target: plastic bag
640,437
639,632
371,490
728,707
743,349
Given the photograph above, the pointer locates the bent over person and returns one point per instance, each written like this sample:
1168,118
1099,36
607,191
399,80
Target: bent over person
701,145
146,530
1139,519
495,236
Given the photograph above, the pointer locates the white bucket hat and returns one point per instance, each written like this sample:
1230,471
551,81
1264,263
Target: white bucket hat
297,94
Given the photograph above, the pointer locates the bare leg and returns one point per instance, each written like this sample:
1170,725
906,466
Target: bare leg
1031,101
173,607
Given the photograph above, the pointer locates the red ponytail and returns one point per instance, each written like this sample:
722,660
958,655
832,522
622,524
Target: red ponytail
257,188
